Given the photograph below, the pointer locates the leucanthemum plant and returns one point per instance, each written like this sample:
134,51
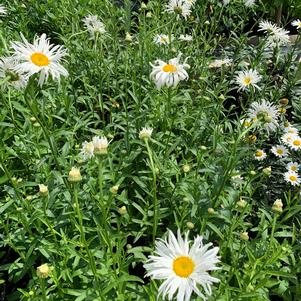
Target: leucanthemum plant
40,57
183,267
169,74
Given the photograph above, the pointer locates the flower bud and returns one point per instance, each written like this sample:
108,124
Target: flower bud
128,37
282,110
244,236
186,168
211,211
283,101
74,175
145,133
242,203
43,270
190,225
114,189
267,171
122,210
277,206
43,189
100,145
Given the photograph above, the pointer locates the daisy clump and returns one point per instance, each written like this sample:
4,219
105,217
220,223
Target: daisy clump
169,74
94,26
183,268
40,57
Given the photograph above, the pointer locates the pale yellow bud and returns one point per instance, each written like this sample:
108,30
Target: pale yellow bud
186,168
74,175
211,211
242,203
43,270
43,189
277,206
114,189
122,210
267,171
244,236
190,225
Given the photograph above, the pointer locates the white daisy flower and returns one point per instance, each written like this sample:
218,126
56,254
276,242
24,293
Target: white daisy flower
163,39
292,177
279,151
16,80
94,25
268,27
291,130
39,57
287,138
183,268
169,74
278,38
260,155
220,62
145,133
295,142
266,114
297,23
248,78
249,3
191,2
87,150
3,10
186,37
292,166
179,7
100,145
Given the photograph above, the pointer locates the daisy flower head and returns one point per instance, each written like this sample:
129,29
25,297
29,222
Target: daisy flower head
145,133
260,155
163,39
287,138
15,79
87,150
3,10
279,151
291,130
179,7
185,38
295,142
39,57
219,63
100,145
278,38
265,113
249,3
169,74
247,79
292,166
292,178
183,268
268,27
94,25
297,23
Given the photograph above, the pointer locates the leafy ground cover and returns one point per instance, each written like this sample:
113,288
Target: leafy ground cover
150,151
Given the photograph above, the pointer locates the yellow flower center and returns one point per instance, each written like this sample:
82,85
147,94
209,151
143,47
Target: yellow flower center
279,151
247,80
293,168
293,178
258,153
169,68
297,142
40,59
183,266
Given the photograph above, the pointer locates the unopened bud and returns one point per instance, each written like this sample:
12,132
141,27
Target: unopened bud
190,225
114,189
122,210
267,171
244,236
74,175
277,206
43,189
211,211
186,168
43,270
283,101
242,203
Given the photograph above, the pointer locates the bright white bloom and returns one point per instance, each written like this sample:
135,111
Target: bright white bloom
179,7
169,74
145,133
191,2
292,177
219,63
183,268
94,25
16,80
249,3
279,151
297,23
100,145
3,10
39,57
265,113
295,142
87,150
268,27
248,78
260,155
163,39
226,2
186,37
291,130
287,138
278,38
292,166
